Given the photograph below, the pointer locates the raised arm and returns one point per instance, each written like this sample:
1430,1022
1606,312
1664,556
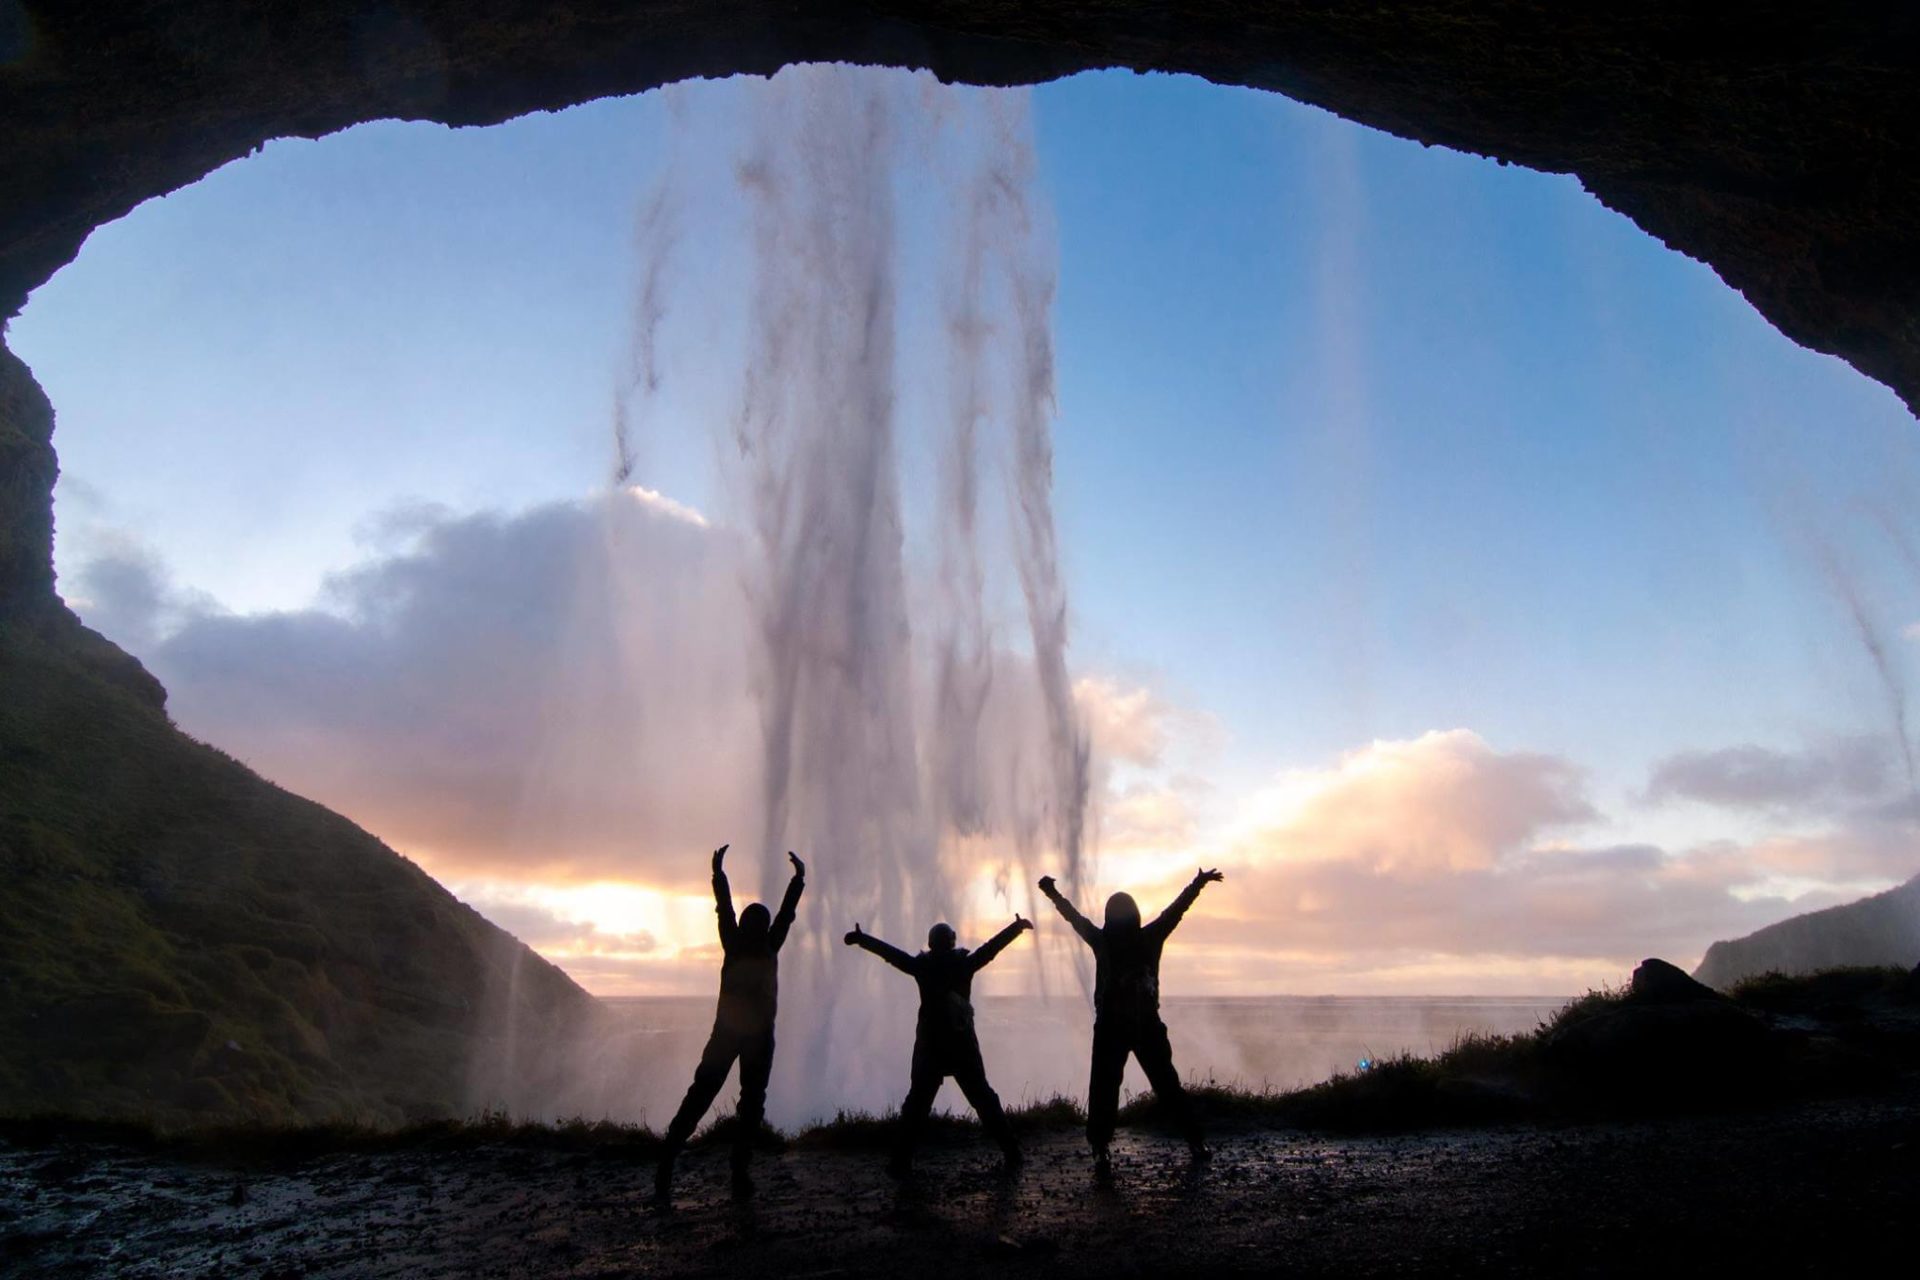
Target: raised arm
1081,925
993,946
783,919
723,898
1164,922
885,950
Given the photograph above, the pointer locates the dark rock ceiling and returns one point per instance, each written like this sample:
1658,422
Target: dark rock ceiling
1774,141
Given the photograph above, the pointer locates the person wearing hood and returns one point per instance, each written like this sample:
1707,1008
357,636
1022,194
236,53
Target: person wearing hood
1126,1012
944,1041
742,1025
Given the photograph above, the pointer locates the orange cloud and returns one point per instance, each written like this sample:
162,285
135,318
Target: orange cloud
1443,802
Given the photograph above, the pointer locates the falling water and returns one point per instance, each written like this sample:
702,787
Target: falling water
902,743
1873,642
656,232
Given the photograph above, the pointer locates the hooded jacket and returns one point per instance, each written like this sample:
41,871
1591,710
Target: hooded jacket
1126,952
749,971
945,979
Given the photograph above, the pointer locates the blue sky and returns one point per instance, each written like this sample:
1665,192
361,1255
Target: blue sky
1544,506
1357,439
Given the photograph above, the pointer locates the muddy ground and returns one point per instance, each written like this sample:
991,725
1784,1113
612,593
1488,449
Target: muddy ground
1805,1190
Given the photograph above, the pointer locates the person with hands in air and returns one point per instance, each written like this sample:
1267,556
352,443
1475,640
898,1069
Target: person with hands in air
944,1041
742,1025
1126,1012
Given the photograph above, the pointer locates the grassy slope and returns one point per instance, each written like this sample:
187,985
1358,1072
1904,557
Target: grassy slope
186,943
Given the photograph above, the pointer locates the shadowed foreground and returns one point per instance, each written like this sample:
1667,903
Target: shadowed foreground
1793,1190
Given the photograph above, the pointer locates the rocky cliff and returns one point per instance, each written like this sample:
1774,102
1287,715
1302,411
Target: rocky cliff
1883,930
185,942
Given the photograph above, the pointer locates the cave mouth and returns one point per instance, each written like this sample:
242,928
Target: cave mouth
1448,452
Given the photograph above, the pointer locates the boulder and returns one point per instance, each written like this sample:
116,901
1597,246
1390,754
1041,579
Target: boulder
1657,982
1668,1040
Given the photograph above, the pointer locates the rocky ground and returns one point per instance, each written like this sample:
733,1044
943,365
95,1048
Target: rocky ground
1803,1189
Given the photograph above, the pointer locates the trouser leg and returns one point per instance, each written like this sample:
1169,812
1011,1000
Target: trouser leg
970,1073
756,1066
715,1061
1155,1053
928,1072
1110,1049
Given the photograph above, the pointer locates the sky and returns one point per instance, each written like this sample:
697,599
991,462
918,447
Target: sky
1487,588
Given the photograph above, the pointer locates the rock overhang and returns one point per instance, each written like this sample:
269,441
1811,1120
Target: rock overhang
1776,142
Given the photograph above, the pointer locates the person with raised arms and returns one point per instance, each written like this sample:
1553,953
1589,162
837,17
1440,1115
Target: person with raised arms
944,1040
742,1025
1126,1013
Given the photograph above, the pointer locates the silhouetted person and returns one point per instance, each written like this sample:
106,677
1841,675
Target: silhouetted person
1126,1012
742,1025
944,1042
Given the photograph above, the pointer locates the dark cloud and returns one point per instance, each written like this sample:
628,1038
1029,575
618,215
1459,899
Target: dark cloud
123,594
1822,779
562,694
561,691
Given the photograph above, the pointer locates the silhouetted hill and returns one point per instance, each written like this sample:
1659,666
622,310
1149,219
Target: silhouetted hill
181,940
1881,930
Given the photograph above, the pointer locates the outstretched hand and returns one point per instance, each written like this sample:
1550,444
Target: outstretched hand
799,867
1021,922
854,935
718,854
1204,876
1046,884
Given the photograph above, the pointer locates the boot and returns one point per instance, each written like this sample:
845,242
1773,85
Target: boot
1102,1168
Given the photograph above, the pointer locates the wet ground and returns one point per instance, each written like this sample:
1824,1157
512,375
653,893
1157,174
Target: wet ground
1801,1191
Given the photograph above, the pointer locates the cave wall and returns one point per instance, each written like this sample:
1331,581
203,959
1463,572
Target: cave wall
1775,141
27,473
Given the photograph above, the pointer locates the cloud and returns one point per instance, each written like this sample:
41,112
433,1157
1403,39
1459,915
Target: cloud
1859,853
1149,815
1442,846
1826,778
565,696
543,930
1129,724
666,506
123,594
560,692
1443,802
1614,903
